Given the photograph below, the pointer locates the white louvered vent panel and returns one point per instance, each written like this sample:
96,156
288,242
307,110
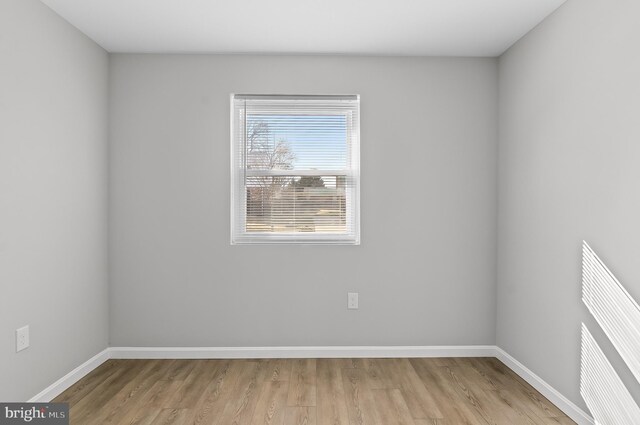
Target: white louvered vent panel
613,308
606,396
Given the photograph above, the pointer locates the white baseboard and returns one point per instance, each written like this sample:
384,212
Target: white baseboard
58,387
570,409
298,352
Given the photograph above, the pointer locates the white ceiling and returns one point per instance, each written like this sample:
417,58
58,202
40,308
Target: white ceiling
375,27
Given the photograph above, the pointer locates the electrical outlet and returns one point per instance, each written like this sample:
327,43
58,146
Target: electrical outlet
352,300
22,338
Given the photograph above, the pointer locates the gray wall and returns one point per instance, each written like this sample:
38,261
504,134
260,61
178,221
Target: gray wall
53,186
426,267
569,170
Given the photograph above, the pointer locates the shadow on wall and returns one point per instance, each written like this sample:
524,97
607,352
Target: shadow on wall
619,316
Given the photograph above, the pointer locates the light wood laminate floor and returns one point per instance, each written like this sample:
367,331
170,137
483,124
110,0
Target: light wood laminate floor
308,392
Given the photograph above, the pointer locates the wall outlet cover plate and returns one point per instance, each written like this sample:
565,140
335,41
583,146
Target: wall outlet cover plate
22,338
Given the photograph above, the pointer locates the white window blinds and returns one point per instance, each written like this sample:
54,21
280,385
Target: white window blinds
295,169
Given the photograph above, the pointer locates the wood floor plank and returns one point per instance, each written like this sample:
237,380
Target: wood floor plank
511,411
544,406
157,394
511,381
90,384
276,370
142,416
361,405
392,408
162,392
244,396
190,392
127,398
270,408
420,401
491,400
433,422
76,392
180,369
538,414
453,407
436,421
331,404
349,363
300,416
377,373
557,421
445,361
474,397
302,384
488,393
87,407
214,397
171,417
473,369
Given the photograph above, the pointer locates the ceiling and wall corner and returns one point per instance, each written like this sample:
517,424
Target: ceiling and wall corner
357,27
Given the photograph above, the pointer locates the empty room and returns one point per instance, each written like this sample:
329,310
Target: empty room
304,212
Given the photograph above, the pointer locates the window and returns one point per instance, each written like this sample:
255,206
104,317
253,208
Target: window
295,169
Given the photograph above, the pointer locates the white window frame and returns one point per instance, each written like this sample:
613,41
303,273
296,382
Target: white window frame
238,187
